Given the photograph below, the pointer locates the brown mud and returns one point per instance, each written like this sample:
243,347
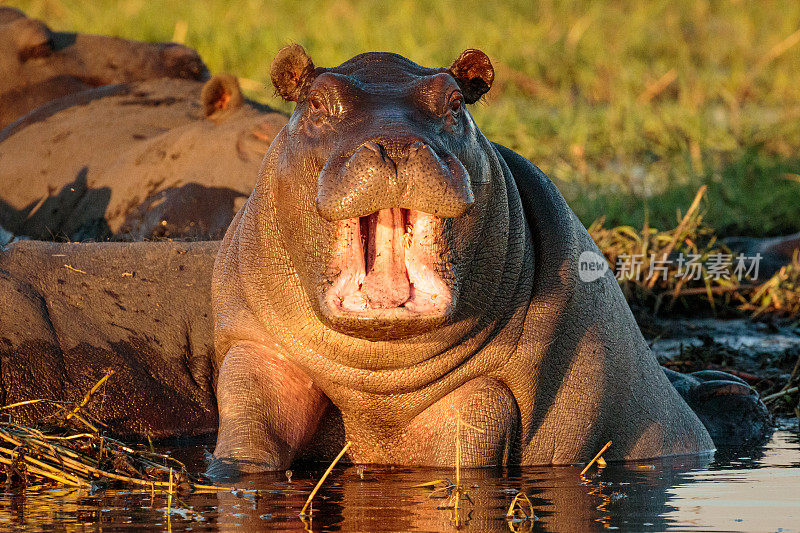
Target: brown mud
766,354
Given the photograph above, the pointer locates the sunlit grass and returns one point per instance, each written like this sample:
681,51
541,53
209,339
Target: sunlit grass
780,295
630,106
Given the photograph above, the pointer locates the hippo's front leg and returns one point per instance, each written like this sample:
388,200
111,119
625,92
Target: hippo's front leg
268,410
488,437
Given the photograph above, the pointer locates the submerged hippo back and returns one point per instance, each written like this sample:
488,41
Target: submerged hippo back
71,312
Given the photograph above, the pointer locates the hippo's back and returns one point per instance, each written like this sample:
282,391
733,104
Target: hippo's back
70,312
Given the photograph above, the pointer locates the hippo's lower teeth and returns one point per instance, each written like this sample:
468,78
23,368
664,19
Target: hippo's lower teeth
386,261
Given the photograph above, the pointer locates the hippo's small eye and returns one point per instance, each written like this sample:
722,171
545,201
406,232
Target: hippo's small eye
455,104
316,106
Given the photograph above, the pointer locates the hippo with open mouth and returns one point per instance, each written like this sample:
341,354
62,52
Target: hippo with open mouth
394,273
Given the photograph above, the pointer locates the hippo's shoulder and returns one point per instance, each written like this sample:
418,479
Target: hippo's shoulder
542,201
526,175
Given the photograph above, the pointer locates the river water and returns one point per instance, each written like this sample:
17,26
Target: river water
736,490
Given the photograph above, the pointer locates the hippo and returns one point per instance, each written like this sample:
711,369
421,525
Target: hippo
69,312
40,65
394,274
728,407
144,160
774,252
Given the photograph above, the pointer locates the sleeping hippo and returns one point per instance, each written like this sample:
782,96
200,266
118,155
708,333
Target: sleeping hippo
394,273
39,65
151,159
774,252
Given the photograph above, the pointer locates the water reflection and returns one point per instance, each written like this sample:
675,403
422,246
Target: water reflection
737,490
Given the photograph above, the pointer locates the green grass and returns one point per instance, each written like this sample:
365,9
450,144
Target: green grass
575,88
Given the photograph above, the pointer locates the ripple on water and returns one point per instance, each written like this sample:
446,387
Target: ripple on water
743,490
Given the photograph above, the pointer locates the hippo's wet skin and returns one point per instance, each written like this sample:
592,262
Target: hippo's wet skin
394,271
728,407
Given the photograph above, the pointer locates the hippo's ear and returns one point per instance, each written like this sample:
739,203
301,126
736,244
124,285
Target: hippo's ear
31,37
292,72
474,73
221,93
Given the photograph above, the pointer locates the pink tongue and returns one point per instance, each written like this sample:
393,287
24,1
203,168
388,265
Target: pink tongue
386,284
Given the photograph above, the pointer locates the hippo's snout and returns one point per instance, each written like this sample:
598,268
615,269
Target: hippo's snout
415,177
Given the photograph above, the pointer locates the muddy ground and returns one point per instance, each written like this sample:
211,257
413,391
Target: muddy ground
766,354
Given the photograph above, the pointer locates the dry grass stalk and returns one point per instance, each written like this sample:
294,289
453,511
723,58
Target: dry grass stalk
596,458
89,394
303,513
445,488
658,86
779,394
779,295
678,233
520,512
787,388
78,270
63,408
776,51
180,31
457,491
72,456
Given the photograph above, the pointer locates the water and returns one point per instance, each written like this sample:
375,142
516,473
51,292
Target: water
745,490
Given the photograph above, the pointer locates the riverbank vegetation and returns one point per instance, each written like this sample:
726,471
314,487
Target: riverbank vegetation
629,106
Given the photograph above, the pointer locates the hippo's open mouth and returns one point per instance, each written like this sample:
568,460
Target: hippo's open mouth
384,265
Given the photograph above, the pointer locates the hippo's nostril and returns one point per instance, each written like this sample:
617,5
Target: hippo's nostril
379,149
375,147
413,147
